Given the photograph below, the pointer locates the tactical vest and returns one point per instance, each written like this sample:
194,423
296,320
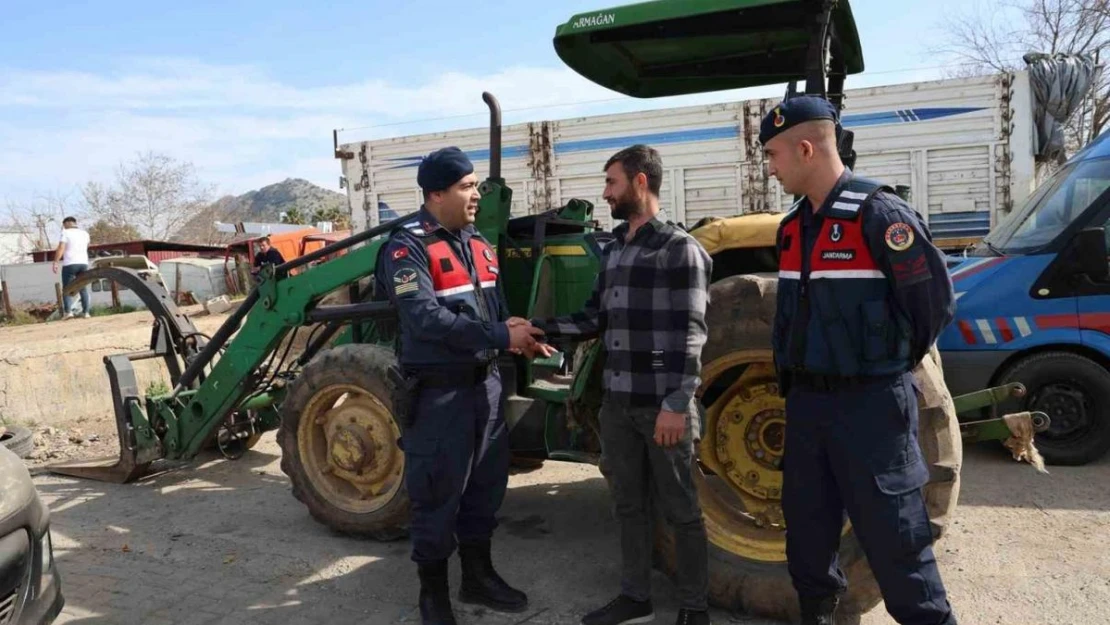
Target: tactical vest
835,313
456,290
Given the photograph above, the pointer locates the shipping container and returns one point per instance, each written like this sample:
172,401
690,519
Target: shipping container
964,147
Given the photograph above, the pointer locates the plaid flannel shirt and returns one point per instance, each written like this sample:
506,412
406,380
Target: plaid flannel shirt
648,306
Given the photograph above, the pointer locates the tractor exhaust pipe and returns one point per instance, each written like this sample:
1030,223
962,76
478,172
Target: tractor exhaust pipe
494,134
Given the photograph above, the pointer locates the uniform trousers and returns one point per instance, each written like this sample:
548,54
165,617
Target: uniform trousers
855,450
456,466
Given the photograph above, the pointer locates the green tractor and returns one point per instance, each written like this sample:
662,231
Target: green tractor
328,395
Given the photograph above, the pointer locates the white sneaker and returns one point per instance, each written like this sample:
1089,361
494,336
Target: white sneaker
87,315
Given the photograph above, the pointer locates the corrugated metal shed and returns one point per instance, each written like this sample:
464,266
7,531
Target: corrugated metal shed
204,277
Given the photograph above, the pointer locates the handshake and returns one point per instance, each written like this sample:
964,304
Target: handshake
523,339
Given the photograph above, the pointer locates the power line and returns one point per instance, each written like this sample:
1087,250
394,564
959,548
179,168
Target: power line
601,101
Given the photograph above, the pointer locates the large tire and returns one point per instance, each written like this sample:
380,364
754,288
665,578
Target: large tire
1074,391
339,443
747,555
19,440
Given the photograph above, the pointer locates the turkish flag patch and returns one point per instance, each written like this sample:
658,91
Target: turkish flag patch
400,253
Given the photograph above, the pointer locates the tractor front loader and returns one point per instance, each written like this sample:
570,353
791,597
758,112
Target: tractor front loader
331,403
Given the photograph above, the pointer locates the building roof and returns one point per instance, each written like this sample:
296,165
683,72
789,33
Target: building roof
151,245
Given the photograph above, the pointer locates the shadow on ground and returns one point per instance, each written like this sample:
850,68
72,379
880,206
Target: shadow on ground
219,542
991,477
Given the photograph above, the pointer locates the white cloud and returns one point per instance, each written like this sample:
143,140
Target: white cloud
243,128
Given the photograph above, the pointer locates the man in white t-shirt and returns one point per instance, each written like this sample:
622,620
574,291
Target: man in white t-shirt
73,254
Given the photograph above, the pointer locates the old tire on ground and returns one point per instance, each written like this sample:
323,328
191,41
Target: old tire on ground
19,440
738,479
339,443
1074,391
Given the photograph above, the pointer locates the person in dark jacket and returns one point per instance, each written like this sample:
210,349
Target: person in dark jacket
267,254
863,295
443,278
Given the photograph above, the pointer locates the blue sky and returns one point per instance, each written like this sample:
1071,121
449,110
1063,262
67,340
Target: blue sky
250,91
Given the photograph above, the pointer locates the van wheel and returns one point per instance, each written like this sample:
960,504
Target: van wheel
1074,391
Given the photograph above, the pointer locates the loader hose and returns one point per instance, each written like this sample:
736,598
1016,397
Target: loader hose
232,324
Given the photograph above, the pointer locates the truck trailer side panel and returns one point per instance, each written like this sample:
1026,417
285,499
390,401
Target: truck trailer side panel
963,146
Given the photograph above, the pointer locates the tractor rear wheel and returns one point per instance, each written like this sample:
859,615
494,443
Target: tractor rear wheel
737,474
339,443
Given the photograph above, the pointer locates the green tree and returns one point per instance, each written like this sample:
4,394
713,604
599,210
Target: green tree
340,219
104,232
293,216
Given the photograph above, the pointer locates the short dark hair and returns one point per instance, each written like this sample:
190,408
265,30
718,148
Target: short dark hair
640,159
69,220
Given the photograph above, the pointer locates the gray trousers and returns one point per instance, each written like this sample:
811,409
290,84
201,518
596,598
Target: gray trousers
642,474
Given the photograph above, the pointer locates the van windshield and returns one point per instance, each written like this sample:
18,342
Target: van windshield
1060,200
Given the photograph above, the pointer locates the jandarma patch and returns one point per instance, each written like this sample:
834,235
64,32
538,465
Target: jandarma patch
899,236
404,281
838,255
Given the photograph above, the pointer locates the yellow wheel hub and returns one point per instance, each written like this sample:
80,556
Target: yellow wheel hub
348,444
740,485
741,450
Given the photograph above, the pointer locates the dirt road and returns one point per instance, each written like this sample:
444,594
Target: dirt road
225,542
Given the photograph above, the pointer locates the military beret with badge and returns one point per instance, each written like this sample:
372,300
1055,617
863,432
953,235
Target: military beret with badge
796,110
443,168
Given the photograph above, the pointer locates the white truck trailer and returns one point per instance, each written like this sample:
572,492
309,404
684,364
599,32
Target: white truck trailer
964,147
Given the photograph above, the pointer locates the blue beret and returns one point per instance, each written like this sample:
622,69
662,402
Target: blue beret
443,168
790,113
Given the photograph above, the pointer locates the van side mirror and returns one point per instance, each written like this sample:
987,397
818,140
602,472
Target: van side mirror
1089,254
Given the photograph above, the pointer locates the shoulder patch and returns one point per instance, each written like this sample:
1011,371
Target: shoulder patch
899,236
400,253
405,282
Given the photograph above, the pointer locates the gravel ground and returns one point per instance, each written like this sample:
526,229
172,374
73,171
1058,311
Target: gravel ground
225,542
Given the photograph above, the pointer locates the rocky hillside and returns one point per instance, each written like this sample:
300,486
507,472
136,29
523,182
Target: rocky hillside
265,204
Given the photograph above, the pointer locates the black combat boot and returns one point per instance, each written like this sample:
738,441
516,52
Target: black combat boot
482,585
435,598
819,611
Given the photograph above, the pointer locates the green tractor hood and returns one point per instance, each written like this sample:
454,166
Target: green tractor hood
673,47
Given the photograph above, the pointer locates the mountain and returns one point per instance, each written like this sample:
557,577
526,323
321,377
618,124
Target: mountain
265,204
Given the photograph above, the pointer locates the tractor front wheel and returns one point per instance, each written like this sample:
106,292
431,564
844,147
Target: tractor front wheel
339,443
738,471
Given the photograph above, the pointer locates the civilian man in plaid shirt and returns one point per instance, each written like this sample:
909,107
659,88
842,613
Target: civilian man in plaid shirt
648,306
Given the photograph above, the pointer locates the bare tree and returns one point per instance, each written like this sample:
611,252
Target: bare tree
40,218
995,38
154,193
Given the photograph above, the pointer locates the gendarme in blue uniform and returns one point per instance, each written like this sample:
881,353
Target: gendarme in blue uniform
445,287
863,294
